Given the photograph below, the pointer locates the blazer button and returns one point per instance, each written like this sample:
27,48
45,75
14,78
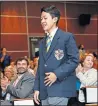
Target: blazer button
45,65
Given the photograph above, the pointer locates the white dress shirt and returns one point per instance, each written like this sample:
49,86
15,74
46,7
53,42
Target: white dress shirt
89,78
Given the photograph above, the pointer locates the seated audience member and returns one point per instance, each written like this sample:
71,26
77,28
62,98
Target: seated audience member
81,50
26,57
4,58
13,67
35,62
31,63
21,87
9,73
30,68
1,76
96,60
12,63
96,64
95,54
87,76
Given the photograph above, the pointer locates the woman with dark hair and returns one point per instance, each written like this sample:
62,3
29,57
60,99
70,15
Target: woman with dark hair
5,59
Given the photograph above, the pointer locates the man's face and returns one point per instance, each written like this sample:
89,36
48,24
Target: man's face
47,22
21,66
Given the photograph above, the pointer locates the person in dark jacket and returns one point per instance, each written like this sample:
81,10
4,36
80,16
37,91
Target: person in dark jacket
58,57
5,59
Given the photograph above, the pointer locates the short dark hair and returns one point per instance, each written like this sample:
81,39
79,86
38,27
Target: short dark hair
53,11
37,54
20,59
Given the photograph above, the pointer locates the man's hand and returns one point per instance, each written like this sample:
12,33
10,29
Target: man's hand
36,97
3,89
50,78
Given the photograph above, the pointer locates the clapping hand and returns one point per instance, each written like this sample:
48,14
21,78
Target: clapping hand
79,68
4,83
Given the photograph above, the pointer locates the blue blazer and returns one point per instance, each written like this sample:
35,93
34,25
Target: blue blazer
62,59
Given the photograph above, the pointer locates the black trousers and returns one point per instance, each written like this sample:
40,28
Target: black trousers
37,105
73,101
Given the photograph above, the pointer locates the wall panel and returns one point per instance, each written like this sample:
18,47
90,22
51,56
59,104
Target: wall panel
74,27
75,9
13,8
13,25
14,42
62,24
34,25
16,55
34,8
90,42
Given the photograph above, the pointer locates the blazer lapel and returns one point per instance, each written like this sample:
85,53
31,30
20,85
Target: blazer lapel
19,81
53,44
13,80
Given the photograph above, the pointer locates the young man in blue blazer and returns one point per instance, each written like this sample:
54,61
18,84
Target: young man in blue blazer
58,57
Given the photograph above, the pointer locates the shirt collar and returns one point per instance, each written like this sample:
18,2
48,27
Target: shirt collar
53,32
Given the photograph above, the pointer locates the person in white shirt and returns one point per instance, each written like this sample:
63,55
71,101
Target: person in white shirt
86,74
